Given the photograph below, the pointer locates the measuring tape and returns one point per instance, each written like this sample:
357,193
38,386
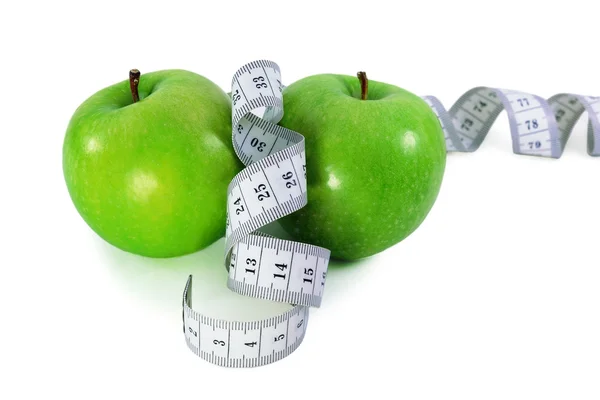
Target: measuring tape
538,127
273,184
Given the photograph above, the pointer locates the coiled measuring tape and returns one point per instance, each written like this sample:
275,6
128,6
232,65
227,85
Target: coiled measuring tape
538,127
273,185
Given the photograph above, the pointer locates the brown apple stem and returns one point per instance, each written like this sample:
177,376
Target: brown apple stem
364,84
134,81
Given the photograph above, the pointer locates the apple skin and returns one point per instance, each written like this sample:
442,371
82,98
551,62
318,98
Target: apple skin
151,177
374,167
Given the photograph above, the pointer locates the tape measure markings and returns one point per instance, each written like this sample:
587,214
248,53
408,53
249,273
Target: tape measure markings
222,338
259,175
536,125
272,185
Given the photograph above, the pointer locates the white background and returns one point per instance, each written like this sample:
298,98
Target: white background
495,296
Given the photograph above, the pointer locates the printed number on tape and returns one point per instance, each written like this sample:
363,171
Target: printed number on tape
538,127
272,185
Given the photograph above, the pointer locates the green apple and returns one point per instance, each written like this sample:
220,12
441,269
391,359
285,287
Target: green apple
147,162
375,157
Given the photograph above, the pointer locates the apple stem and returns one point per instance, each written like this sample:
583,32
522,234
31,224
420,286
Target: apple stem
364,84
134,81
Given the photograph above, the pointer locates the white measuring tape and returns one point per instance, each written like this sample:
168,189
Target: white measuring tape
538,127
273,185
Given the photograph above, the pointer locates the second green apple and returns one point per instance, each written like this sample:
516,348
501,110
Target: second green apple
375,157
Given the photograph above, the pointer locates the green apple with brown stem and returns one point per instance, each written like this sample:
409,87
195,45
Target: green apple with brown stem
147,162
375,157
